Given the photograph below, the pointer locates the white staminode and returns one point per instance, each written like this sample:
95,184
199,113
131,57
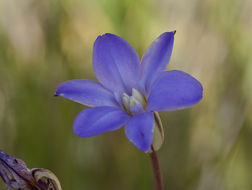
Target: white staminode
133,100
139,97
126,101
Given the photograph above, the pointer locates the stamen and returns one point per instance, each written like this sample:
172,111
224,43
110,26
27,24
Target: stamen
135,103
138,96
126,101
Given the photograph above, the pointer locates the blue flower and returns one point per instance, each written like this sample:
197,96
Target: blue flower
129,91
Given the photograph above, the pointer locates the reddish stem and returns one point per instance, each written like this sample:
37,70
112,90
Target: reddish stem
156,170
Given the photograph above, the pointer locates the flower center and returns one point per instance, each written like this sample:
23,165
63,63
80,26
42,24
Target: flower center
134,104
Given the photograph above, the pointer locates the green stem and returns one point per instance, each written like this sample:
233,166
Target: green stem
156,170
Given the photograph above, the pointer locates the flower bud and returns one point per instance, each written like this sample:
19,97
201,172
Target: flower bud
46,179
158,136
16,175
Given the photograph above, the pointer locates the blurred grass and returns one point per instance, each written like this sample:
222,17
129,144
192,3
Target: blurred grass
208,146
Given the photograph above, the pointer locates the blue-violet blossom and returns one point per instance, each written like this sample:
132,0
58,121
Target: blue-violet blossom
130,91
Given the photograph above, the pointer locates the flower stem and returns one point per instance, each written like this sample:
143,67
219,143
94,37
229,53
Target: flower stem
156,170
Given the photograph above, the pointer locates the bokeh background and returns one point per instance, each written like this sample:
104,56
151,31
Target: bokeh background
207,147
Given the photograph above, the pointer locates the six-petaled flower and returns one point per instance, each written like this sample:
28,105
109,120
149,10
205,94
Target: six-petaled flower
129,91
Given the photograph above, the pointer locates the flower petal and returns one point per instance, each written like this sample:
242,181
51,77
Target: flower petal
139,130
156,58
137,109
174,90
86,92
115,63
97,120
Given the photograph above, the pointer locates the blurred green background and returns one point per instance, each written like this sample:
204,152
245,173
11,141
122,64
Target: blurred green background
207,147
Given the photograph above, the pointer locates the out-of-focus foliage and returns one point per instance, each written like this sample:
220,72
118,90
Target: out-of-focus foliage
207,147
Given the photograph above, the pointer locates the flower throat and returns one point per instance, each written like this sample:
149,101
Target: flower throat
134,104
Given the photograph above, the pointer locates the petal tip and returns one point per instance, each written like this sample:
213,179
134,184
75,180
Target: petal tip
104,36
76,131
146,149
169,33
58,93
201,93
